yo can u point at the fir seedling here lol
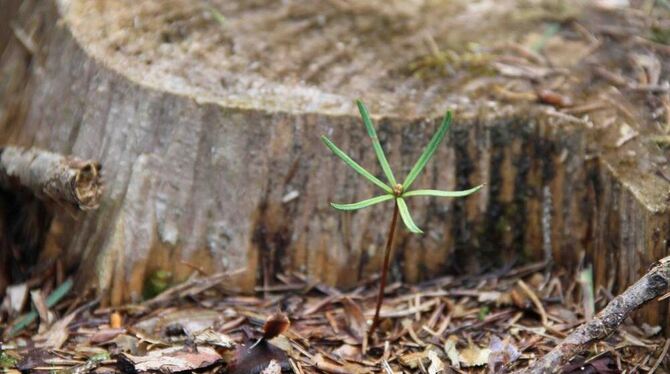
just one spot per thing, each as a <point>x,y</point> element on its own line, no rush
<point>393,190</point>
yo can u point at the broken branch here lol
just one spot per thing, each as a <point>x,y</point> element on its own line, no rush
<point>650,286</point>
<point>64,179</point>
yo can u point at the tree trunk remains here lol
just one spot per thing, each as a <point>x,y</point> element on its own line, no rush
<point>208,130</point>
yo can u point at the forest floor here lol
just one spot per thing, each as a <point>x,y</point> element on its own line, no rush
<point>478,324</point>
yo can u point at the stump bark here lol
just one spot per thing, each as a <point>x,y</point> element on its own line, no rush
<point>206,117</point>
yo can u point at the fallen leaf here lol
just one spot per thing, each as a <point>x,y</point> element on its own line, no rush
<point>179,322</point>
<point>414,360</point>
<point>283,343</point>
<point>355,318</point>
<point>213,338</point>
<point>348,351</point>
<point>451,351</point>
<point>331,367</point>
<point>126,343</point>
<point>46,317</point>
<point>273,368</point>
<point>436,365</point>
<point>34,358</point>
<point>16,297</point>
<point>106,334</point>
<point>170,360</point>
<point>626,133</point>
<point>502,353</point>
<point>474,356</point>
<point>56,335</point>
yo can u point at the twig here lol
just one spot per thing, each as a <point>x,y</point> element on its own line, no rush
<point>64,179</point>
<point>661,357</point>
<point>191,287</point>
<point>649,287</point>
<point>536,301</point>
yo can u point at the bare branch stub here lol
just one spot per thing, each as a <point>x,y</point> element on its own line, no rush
<point>63,179</point>
<point>652,285</point>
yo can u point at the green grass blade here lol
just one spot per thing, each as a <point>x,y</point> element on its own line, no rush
<point>383,162</point>
<point>443,193</point>
<point>50,301</point>
<point>406,217</point>
<point>362,204</point>
<point>358,168</point>
<point>428,152</point>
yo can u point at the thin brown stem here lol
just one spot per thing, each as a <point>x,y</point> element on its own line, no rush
<point>387,259</point>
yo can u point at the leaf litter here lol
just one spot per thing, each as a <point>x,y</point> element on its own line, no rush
<point>434,327</point>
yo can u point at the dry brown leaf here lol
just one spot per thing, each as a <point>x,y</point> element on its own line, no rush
<point>189,320</point>
<point>283,343</point>
<point>126,343</point>
<point>213,338</point>
<point>46,317</point>
<point>414,360</point>
<point>355,318</point>
<point>56,335</point>
<point>170,360</point>
<point>331,367</point>
<point>106,334</point>
<point>473,355</point>
<point>348,351</point>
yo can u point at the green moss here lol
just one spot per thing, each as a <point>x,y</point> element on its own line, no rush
<point>446,61</point>
<point>548,10</point>
<point>660,35</point>
<point>483,312</point>
<point>156,283</point>
<point>7,361</point>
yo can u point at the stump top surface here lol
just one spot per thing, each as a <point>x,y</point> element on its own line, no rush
<point>598,65</point>
<point>405,58</point>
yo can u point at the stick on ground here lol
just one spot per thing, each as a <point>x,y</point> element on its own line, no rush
<point>650,286</point>
<point>63,179</point>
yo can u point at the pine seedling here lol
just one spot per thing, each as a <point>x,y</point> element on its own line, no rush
<point>393,191</point>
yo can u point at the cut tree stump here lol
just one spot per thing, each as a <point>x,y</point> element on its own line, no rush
<point>206,117</point>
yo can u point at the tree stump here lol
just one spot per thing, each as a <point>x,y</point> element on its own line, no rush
<point>206,117</point>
